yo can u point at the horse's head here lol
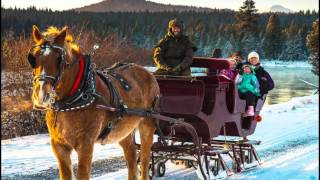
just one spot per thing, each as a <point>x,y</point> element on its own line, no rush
<point>52,59</point>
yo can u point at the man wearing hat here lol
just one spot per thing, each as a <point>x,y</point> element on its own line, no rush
<point>173,54</point>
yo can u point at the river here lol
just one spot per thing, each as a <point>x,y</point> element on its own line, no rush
<point>288,85</point>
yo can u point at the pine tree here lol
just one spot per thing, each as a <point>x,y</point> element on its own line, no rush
<point>303,33</point>
<point>273,40</point>
<point>313,46</point>
<point>293,29</point>
<point>228,48</point>
<point>249,43</point>
<point>247,18</point>
<point>294,49</point>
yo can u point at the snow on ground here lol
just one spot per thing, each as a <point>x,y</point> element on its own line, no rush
<point>289,148</point>
<point>31,154</point>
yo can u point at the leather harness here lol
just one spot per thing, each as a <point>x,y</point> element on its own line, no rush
<point>86,94</point>
<point>83,96</point>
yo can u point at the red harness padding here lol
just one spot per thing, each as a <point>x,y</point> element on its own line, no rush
<point>79,76</point>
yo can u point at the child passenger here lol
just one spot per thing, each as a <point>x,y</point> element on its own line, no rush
<point>238,57</point>
<point>248,87</point>
<point>231,72</point>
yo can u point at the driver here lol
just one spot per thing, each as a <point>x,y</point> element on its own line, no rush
<point>173,54</point>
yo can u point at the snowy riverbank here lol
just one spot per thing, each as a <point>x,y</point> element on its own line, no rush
<point>289,64</point>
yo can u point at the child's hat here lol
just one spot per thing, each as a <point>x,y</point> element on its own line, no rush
<point>246,64</point>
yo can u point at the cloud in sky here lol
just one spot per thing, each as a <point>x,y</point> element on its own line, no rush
<point>262,5</point>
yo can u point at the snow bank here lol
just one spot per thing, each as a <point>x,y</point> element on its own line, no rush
<point>293,104</point>
<point>289,64</point>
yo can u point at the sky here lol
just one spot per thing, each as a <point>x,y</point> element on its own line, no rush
<point>261,5</point>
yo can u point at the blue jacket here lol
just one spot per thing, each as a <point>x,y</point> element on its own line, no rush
<point>248,82</point>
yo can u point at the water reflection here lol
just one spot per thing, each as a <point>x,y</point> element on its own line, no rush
<point>288,85</point>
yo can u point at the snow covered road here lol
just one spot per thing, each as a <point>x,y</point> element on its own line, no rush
<point>289,149</point>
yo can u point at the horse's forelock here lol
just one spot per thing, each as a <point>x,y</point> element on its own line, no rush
<point>52,32</point>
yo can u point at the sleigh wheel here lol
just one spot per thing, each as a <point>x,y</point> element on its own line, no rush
<point>151,171</point>
<point>189,164</point>
<point>160,169</point>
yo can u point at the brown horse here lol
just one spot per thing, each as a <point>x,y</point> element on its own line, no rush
<point>58,69</point>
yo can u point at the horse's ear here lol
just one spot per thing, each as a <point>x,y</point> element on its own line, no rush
<point>61,36</point>
<point>36,35</point>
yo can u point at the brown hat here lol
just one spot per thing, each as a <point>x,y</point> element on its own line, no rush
<point>237,53</point>
<point>175,22</point>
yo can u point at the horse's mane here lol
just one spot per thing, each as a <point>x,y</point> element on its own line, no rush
<point>53,32</point>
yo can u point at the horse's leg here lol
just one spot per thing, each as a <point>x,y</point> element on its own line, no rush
<point>84,152</point>
<point>63,154</point>
<point>129,150</point>
<point>146,130</point>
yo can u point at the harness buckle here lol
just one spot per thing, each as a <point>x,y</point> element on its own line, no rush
<point>85,96</point>
<point>52,95</point>
<point>52,100</point>
<point>93,66</point>
<point>109,124</point>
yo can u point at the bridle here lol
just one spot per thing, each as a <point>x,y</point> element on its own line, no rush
<point>53,80</point>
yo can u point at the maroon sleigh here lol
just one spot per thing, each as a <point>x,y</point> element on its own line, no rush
<point>210,102</point>
<point>193,113</point>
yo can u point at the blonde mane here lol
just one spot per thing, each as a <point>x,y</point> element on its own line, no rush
<point>53,32</point>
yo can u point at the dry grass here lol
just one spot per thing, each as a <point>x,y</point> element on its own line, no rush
<point>112,49</point>
<point>14,52</point>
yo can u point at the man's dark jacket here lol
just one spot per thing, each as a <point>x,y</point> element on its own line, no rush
<point>174,52</point>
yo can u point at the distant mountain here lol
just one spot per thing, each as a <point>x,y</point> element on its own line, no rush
<point>136,6</point>
<point>279,8</point>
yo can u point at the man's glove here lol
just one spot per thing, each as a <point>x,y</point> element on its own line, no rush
<point>177,69</point>
<point>166,68</point>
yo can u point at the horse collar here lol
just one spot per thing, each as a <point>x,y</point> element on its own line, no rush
<point>79,76</point>
<point>81,94</point>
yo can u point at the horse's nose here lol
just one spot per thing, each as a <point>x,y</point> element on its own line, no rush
<point>44,92</point>
<point>47,87</point>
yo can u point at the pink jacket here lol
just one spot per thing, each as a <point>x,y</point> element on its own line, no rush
<point>229,73</point>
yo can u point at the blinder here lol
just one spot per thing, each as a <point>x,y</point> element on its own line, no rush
<point>61,62</point>
<point>32,60</point>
